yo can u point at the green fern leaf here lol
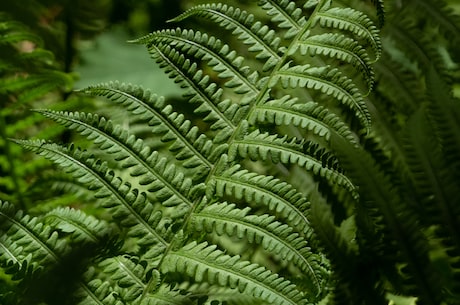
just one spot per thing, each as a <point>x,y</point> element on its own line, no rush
<point>81,227</point>
<point>128,273</point>
<point>27,245</point>
<point>340,47</point>
<point>185,139</point>
<point>328,81</point>
<point>130,208</point>
<point>275,237</point>
<point>276,195</point>
<point>242,79</point>
<point>308,116</point>
<point>255,34</point>
<point>263,146</point>
<point>356,22</point>
<point>168,184</point>
<point>286,14</point>
<point>203,262</point>
<point>200,90</point>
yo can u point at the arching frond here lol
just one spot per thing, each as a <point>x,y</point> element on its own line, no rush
<point>259,37</point>
<point>328,81</point>
<point>342,48</point>
<point>263,146</point>
<point>276,195</point>
<point>353,21</point>
<point>186,139</point>
<point>180,205</point>
<point>130,208</point>
<point>308,116</point>
<point>201,261</point>
<point>223,60</point>
<point>277,238</point>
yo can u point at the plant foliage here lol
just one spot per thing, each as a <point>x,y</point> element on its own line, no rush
<point>286,184</point>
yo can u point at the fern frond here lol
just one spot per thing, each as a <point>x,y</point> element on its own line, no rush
<point>80,227</point>
<point>130,208</point>
<point>164,181</point>
<point>356,22</point>
<point>203,262</point>
<point>27,245</point>
<point>243,96</point>
<point>200,90</point>
<point>259,37</point>
<point>186,140</point>
<point>275,237</point>
<point>263,146</point>
<point>274,194</point>
<point>308,116</point>
<point>328,81</point>
<point>378,192</point>
<point>343,48</point>
<point>286,14</point>
<point>223,60</point>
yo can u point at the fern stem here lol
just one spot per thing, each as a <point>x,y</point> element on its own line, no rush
<point>264,91</point>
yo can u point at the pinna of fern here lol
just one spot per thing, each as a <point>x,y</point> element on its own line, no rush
<point>179,205</point>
